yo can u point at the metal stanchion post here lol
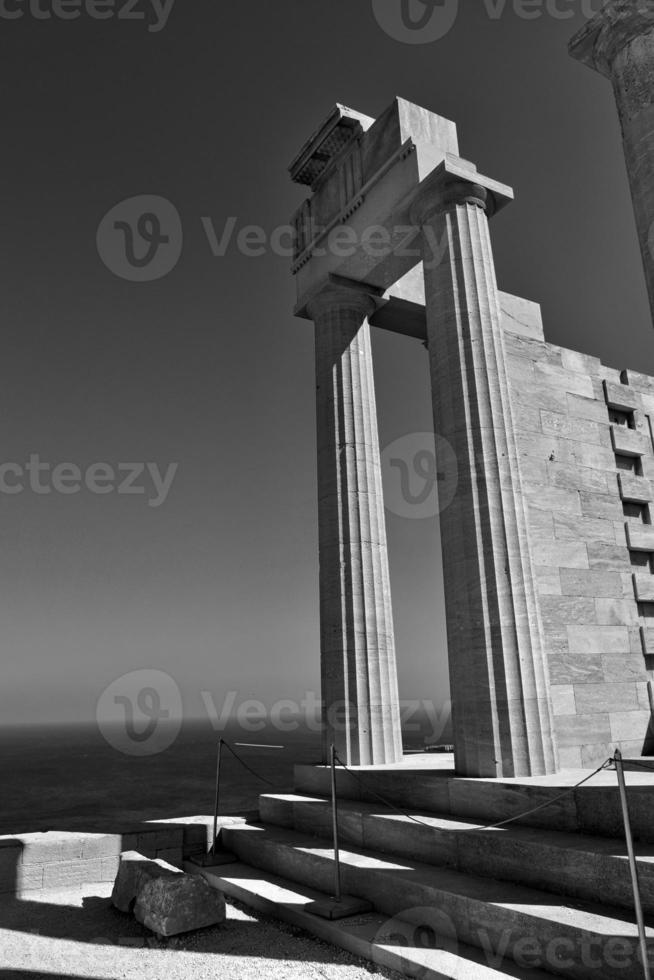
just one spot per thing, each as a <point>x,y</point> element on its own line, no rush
<point>632,863</point>
<point>339,906</point>
<point>337,864</point>
<point>216,798</point>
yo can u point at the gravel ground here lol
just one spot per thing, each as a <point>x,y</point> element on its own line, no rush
<point>78,933</point>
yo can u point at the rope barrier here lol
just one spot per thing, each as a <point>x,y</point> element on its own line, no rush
<point>216,805</point>
<point>246,766</point>
<point>492,826</point>
<point>640,765</point>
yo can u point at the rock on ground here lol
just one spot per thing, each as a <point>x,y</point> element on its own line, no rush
<point>133,871</point>
<point>171,905</point>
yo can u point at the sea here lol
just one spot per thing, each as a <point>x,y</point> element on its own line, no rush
<point>70,777</point>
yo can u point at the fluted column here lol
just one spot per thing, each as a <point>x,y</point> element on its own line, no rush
<point>501,705</point>
<point>358,669</point>
<point>619,43</point>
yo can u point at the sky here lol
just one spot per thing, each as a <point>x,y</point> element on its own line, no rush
<point>204,373</point>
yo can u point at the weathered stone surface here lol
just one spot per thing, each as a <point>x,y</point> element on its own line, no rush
<point>563,699</point>
<point>579,430</point>
<point>598,639</point>
<point>619,42</point>
<point>622,397</point>
<point>605,698</point>
<point>521,316</point>
<point>647,639</point>
<point>631,725</point>
<point>589,529</point>
<point>589,582</point>
<point>640,537</point>
<point>644,587</point>
<point>133,871</point>
<point>548,580</point>
<point>566,667</point>
<point>607,557</point>
<point>578,362</point>
<point>629,442</point>
<point>588,408</point>
<point>172,904</point>
<point>578,729</point>
<point>576,477</point>
<point>604,506</point>
<point>621,667</point>
<point>642,383</point>
<point>616,612</point>
<point>635,489</point>
<point>66,874</point>
<point>567,609</point>
<point>564,554</point>
<point>561,379</point>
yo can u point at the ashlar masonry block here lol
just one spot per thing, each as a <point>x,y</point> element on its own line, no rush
<point>629,442</point>
<point>590,582</point>
<point>621,397</point>
<point>634,489</point>
<point>644,588</point>
<point>640,537</point>
<point>599,639</point>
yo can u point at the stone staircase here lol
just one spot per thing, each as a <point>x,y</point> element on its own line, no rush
<point>452,898</point>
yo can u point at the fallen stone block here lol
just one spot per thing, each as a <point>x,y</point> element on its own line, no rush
<point>171,904</point>
<point>133,871</point>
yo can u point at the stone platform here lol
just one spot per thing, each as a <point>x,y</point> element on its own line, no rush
<point>427,781</point>
<point>452,896</point>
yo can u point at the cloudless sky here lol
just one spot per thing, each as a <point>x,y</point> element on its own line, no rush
<point>207,367</point>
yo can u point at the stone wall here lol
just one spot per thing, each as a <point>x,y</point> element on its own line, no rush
<point>61,859</point>
<point>587,461</point>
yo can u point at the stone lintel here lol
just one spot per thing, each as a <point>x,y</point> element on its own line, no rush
<point>605,34</point>
<point>407,317</point>
<point>331,137</point>
<point>401,316</point>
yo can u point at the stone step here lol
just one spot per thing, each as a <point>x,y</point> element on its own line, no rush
<point>594,869</point>
<point>593,808</point>
<point>506,921</point>
<point>411,948</point>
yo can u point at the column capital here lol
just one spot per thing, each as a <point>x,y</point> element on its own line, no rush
<point>457,181</point>
<point>336,292</point>
<point>609,31</point>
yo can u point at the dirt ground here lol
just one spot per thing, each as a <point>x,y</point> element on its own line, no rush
<point>78,933</point>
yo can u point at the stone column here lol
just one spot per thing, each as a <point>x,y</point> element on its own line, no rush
<point>619,43</point>
<point>500,690</point>
<point>358,669</point>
